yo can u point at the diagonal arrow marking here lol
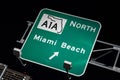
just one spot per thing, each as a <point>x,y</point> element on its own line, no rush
<point>54,55</point>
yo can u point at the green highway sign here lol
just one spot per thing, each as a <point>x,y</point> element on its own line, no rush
<point>58,37</point>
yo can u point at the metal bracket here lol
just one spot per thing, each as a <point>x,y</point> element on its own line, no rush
<point>25,33</point>
<point>67,65</point>
<point>17,52</point>
<point>94,61</point>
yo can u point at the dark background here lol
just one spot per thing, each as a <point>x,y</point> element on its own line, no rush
<point>13,17</point>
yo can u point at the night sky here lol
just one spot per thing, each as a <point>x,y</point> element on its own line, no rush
<point>13,17</point>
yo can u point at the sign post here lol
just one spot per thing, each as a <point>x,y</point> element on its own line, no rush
<point>57,37</point>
